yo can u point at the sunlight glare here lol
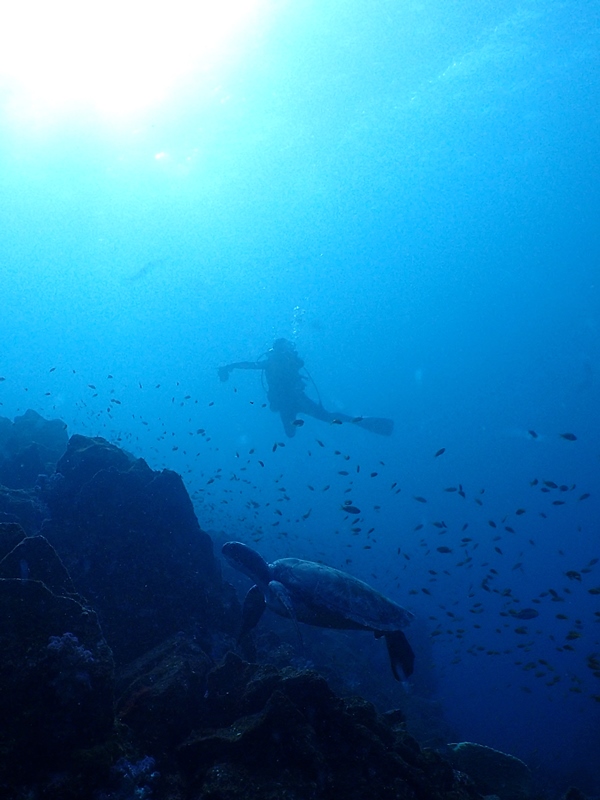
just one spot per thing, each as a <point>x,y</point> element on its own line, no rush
<point>111,56</point>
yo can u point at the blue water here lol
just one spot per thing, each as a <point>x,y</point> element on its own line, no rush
<point>408,191</point>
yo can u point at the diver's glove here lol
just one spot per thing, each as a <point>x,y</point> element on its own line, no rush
<point>224,373</point>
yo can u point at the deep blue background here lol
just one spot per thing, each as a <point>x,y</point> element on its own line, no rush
<point>409,191</point>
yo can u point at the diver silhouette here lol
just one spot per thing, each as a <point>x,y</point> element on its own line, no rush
<point>281,367</point>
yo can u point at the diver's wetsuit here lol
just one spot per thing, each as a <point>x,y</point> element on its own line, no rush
<point>285,389</point>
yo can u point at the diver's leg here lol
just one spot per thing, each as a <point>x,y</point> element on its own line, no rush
<point>288,418</point>
<point>379,425</point>
<point>316,410</point>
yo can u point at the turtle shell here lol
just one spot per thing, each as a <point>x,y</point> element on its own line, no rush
<point>330,598</point>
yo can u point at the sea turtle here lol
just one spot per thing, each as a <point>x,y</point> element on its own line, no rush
<point>319,595</point>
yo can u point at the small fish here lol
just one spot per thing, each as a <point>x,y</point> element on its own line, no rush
<point>343,472</point>
<point>520,511</point>
<point>320,443</point>
<point>527,613</point>
<point>570,437</point>
<point>350,509</point>
<point>444,549</point>
<point>585,496</point>
<point>419,499</point>
<point>298,423</point>
<point>533,434</point>
<point>440,452</point>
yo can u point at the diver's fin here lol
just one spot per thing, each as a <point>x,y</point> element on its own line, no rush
<point>379,425</point>
<point>400,653</point>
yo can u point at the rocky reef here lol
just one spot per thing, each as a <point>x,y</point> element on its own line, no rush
<point>118,678</point>
<point>493,772</point>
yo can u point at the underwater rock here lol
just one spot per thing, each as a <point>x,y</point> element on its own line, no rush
<point>241,730</point>
<point>493,772</point>
<point>29,446</point>
<point>573,793</point>
<point>160,695</point>
<point>56,671</point>
<point>266,733</point>
<point>11,533</point>
<point>34,558</point>
<point>134,549</point>
<point>22,506</point>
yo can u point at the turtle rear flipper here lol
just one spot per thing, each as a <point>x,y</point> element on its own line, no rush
<point>400,652</point>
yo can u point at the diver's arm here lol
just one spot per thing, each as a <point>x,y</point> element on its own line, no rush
<point>224,371</point>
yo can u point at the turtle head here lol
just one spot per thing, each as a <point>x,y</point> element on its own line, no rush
<point>248,561</point>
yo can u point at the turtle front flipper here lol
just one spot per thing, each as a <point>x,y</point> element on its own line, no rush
<point>400,653</point>
<point>281,603</point>
<point>252,611</point>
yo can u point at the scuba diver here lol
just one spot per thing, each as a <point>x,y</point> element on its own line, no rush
<point>281,367</point>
